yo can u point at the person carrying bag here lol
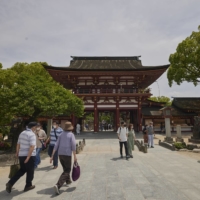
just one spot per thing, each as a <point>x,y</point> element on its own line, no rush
<point>54,135</point>
<point>66,147</point>
<point>14,168</point>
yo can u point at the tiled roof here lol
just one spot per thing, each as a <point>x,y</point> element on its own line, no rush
<point>187,103</point>
<point>155,111</point>
<point>105,63</point>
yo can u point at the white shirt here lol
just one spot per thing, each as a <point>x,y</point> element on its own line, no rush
<point>78,128</point>
<point>122,131</point>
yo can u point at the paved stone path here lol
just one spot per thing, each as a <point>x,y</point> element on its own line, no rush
<point>159,174</point>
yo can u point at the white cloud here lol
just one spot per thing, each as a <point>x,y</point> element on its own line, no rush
<point>52,31</point>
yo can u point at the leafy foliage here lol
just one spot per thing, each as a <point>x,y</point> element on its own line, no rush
<point>179,145</point>
<point>162,99</point>
<point>4,145</point>
<point>27,90</point>
<point>185,62</point>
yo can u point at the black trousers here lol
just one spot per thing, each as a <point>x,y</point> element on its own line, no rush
<point>66,162</point>
<point>125,146</point>
<point>27,168</point>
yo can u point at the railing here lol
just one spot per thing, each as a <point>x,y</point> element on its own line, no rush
<point>110,91</point>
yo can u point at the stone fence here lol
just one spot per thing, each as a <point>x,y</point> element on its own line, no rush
<point>141,146</point>
<point>80,146</point>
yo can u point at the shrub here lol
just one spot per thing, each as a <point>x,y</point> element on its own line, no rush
<point>4,145</point>
<point>179,145</point>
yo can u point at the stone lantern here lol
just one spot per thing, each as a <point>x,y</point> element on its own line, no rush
<point>166,111</point>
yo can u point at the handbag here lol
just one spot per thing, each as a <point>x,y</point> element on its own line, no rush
<point>43,145</point>
<point>76,171</point>
<point>14,168</point>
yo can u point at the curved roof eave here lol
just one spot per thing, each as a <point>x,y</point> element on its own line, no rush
<point>144,68</point>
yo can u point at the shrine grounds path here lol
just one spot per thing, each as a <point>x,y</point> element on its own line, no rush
<point>159,174</point>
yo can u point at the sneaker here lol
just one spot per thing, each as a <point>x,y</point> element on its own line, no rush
<point>121,156</point>
<point>131,156</point>
<point>56,189</point>
<point>152,146</point>
<point>127,157</point>
<point>8,187</point>
<point>29,188</point>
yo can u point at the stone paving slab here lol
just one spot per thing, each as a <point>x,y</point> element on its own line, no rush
<point>158,175</point>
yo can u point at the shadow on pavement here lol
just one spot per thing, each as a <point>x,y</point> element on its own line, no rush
<point>4,195</point>
<point>116,159</point>
<point>50,191</point>
<point>48,168</point>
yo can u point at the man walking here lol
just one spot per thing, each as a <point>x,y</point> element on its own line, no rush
<point>26,152</point>
<point>55,133</point>
<point>40,137</point>
<point>122,133</point>
<point>150,132</point>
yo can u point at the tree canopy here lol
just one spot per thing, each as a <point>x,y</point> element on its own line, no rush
<point>162,99</point>
<point>185,62</point>
<point>27,90</point>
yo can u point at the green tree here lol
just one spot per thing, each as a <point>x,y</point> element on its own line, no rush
<point>162,99</point>
<point>28,91</point>
<point>185,62</point>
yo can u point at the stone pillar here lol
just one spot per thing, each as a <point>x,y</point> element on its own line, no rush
<point>178,131</point>
<point>49,126</point>
<point>168,130</point>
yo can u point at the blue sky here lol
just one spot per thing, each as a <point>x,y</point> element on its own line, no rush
<point>54,30</point>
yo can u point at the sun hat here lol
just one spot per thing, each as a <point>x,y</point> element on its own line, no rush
<point>68,126</point>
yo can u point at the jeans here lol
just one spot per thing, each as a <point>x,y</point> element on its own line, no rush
<point>125,146</point>
<point>55,157</point>
<point>37,158</point>
<point>66,164</point>
<point>27,168</point>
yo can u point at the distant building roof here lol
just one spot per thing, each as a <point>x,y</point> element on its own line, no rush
<point>188,104</point>
<point>156,111</point>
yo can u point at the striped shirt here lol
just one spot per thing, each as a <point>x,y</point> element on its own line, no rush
<point>53,137</point>
<point>26,139</point>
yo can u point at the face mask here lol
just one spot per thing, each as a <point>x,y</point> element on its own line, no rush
<point>37,129</point>
<point>54,126</point>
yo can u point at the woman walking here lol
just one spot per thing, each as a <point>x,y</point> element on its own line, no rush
<point>66,145</point>
<point>131,140</point>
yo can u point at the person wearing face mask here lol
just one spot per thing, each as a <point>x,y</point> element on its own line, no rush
<point>131,139</point>
<point>122,134</point>
<point>40,137</point>
<point>25,152</point>
<point>55,133</point>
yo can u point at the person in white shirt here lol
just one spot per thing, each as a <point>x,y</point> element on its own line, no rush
<point>122,133</point>
<point>78,129</point>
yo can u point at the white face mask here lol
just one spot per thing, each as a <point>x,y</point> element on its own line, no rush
<point>54,126</point>
<point>38,129</point>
